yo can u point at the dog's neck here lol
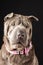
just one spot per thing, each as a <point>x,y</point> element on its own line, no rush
<point>6,54</point>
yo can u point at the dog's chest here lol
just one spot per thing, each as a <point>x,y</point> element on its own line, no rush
<point>17,60</point>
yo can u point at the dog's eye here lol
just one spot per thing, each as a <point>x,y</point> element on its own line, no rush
<point>26,25</point>
<point>13,24</point>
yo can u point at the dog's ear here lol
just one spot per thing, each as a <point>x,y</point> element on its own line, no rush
<point>32,18</point>
<point>7,17</point>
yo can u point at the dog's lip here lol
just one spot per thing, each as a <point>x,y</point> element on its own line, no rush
<point>27,49</point>
<point>17,47</point>
<point>13,49</point>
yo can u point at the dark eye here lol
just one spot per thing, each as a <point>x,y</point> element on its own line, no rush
<point>19,22</point>
<point>25,24</point>
<point>13,24</point>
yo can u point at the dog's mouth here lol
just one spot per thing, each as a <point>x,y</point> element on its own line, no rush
<point>20,49</point>
<point>18,46</point>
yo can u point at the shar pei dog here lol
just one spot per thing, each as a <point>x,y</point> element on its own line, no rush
<point>17,48</point>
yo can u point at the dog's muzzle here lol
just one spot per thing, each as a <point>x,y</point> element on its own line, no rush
<point>17,35</point>
<point>21,36</point>
<point>18,38</point>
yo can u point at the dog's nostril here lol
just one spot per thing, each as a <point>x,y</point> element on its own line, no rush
<point>21,35</point>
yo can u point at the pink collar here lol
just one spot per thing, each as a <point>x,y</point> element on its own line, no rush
<point>24,51</point>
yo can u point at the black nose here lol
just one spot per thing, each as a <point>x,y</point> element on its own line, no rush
<point>20,35</point>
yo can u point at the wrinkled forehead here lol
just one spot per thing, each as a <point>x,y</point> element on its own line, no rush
<point>19,19</point>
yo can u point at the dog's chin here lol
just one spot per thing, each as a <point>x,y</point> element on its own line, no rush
<point>18,47</point>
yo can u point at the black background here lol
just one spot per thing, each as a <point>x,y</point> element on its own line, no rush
<point>25,7</point>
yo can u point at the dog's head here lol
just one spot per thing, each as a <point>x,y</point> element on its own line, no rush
<point>18,31</point>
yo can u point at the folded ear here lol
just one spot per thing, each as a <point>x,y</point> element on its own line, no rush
<point>8,16</point>
<point>31,17</point>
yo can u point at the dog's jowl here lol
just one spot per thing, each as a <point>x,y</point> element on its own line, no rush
<point>17,48</point>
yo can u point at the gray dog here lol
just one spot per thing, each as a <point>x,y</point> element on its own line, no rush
<point>17,48</point>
